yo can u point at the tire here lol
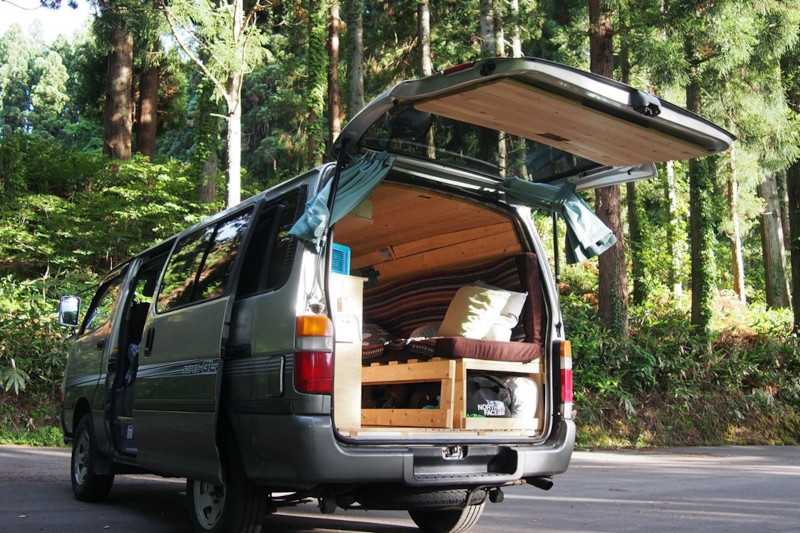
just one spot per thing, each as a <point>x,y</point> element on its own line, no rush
<point>447,520</point>
<point>87,485</point>
<point>240,505</point>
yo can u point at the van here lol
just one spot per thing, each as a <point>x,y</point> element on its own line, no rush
<point>381,332</point>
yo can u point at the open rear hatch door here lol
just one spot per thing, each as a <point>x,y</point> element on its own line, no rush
<point>579,126</point>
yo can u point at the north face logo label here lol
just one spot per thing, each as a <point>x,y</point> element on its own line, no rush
<point>492,408</point>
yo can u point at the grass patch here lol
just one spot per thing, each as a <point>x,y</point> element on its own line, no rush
<point>30,419</point>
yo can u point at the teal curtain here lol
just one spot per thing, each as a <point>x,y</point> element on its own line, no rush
<point>587,236</point>
<point>355,184</point>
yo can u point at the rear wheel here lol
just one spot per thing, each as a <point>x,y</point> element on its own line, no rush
<point>87,485</point>
<point>239,505</point>
<point>447,520</point>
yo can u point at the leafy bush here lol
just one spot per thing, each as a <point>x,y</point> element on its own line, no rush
<point>70,218</point>
<point>661,386</point>
<point>32,350</point>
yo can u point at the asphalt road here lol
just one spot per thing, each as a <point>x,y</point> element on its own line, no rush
<point>728,489</point>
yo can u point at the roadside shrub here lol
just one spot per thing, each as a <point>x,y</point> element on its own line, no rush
<point>661,386</point>
<point>32,349</point>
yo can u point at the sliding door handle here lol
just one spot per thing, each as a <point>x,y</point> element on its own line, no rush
<point>148,343</point>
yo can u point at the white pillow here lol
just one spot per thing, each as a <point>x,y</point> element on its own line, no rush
<point>509,317</point>
<point>472,312</point>
<point>431,329</point>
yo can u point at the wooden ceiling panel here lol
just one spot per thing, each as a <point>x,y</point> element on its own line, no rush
<point>411,226</point>
<point>519,109</point>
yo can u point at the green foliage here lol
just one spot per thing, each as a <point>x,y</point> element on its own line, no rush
<point>31,349</point>
<point>663,387</point>
<point>82,211</point>
<point>226,47</point>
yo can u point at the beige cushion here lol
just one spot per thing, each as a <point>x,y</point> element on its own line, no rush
<point>472,312</point>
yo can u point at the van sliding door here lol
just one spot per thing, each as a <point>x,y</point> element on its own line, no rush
<point>180,362</point>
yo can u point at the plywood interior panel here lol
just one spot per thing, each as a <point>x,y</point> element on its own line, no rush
<point>411,231</point>
<point>560,122</point>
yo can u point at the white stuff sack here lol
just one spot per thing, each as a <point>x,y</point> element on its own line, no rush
<point>524,396</point>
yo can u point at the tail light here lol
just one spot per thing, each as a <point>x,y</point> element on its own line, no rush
<point>313,355</point>
<point>565,358</point>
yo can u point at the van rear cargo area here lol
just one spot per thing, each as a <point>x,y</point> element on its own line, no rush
<point>419,319</point>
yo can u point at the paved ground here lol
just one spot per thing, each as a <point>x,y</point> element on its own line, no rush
<point>733,489</point>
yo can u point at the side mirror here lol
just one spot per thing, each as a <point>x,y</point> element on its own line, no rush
<point>68,311</point>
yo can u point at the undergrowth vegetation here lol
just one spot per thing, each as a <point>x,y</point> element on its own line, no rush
<point>664,387</point>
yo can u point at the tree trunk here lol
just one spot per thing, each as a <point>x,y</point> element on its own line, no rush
<point>207,188</point>
<point>334,104</point>
<point>780,180</point>
<point>613,284</point>
<point>639,294</point>
<point>233,100</point>
<point>775,275</point>
<point>700,191</point>
<point>788,67</point>
<point>233,140</point>
<point>673,232</point>
<point>355,67</point>
<point>147,123</point>
<point>493,146</point>
<point>736,237</point>
<point>317,80</point>
<point>205,157</point>
<point>425,61</point>
<point>118,122</point>
<point>500,51</point>
<point>702,255</point>
<point>486,28</point>
<point>519,150</point>
<point>601,42</point>
<point>635,243</point>
<point>488,140</point>
<point>516,39</point>
<point>793,192</point>
<point>424,37</point>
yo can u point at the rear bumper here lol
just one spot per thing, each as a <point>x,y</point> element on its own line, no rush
<point>301,452</point>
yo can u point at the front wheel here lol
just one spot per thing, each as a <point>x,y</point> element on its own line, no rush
<point>87,485</point>
<point>447,520</point>
<point>239,505</point>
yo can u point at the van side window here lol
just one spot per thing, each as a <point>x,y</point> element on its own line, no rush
<point>102,306</point>
<point>268,260</point>
<point>201,265</point>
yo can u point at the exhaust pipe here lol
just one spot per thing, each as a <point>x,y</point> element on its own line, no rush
<point>544,483</point>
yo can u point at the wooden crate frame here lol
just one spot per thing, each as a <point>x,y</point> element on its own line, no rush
<point>452,376</point>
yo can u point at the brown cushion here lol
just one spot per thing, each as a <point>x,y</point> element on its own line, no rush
<point>461,347</point>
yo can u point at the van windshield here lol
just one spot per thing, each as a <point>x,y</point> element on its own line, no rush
<point>498,154</point>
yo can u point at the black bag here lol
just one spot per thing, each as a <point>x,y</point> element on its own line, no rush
<point>488,396</point>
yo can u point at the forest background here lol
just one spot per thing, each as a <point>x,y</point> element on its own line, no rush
<point>163,112</point>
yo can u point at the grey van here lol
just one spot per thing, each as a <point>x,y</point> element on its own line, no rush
<point>381,332</point>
